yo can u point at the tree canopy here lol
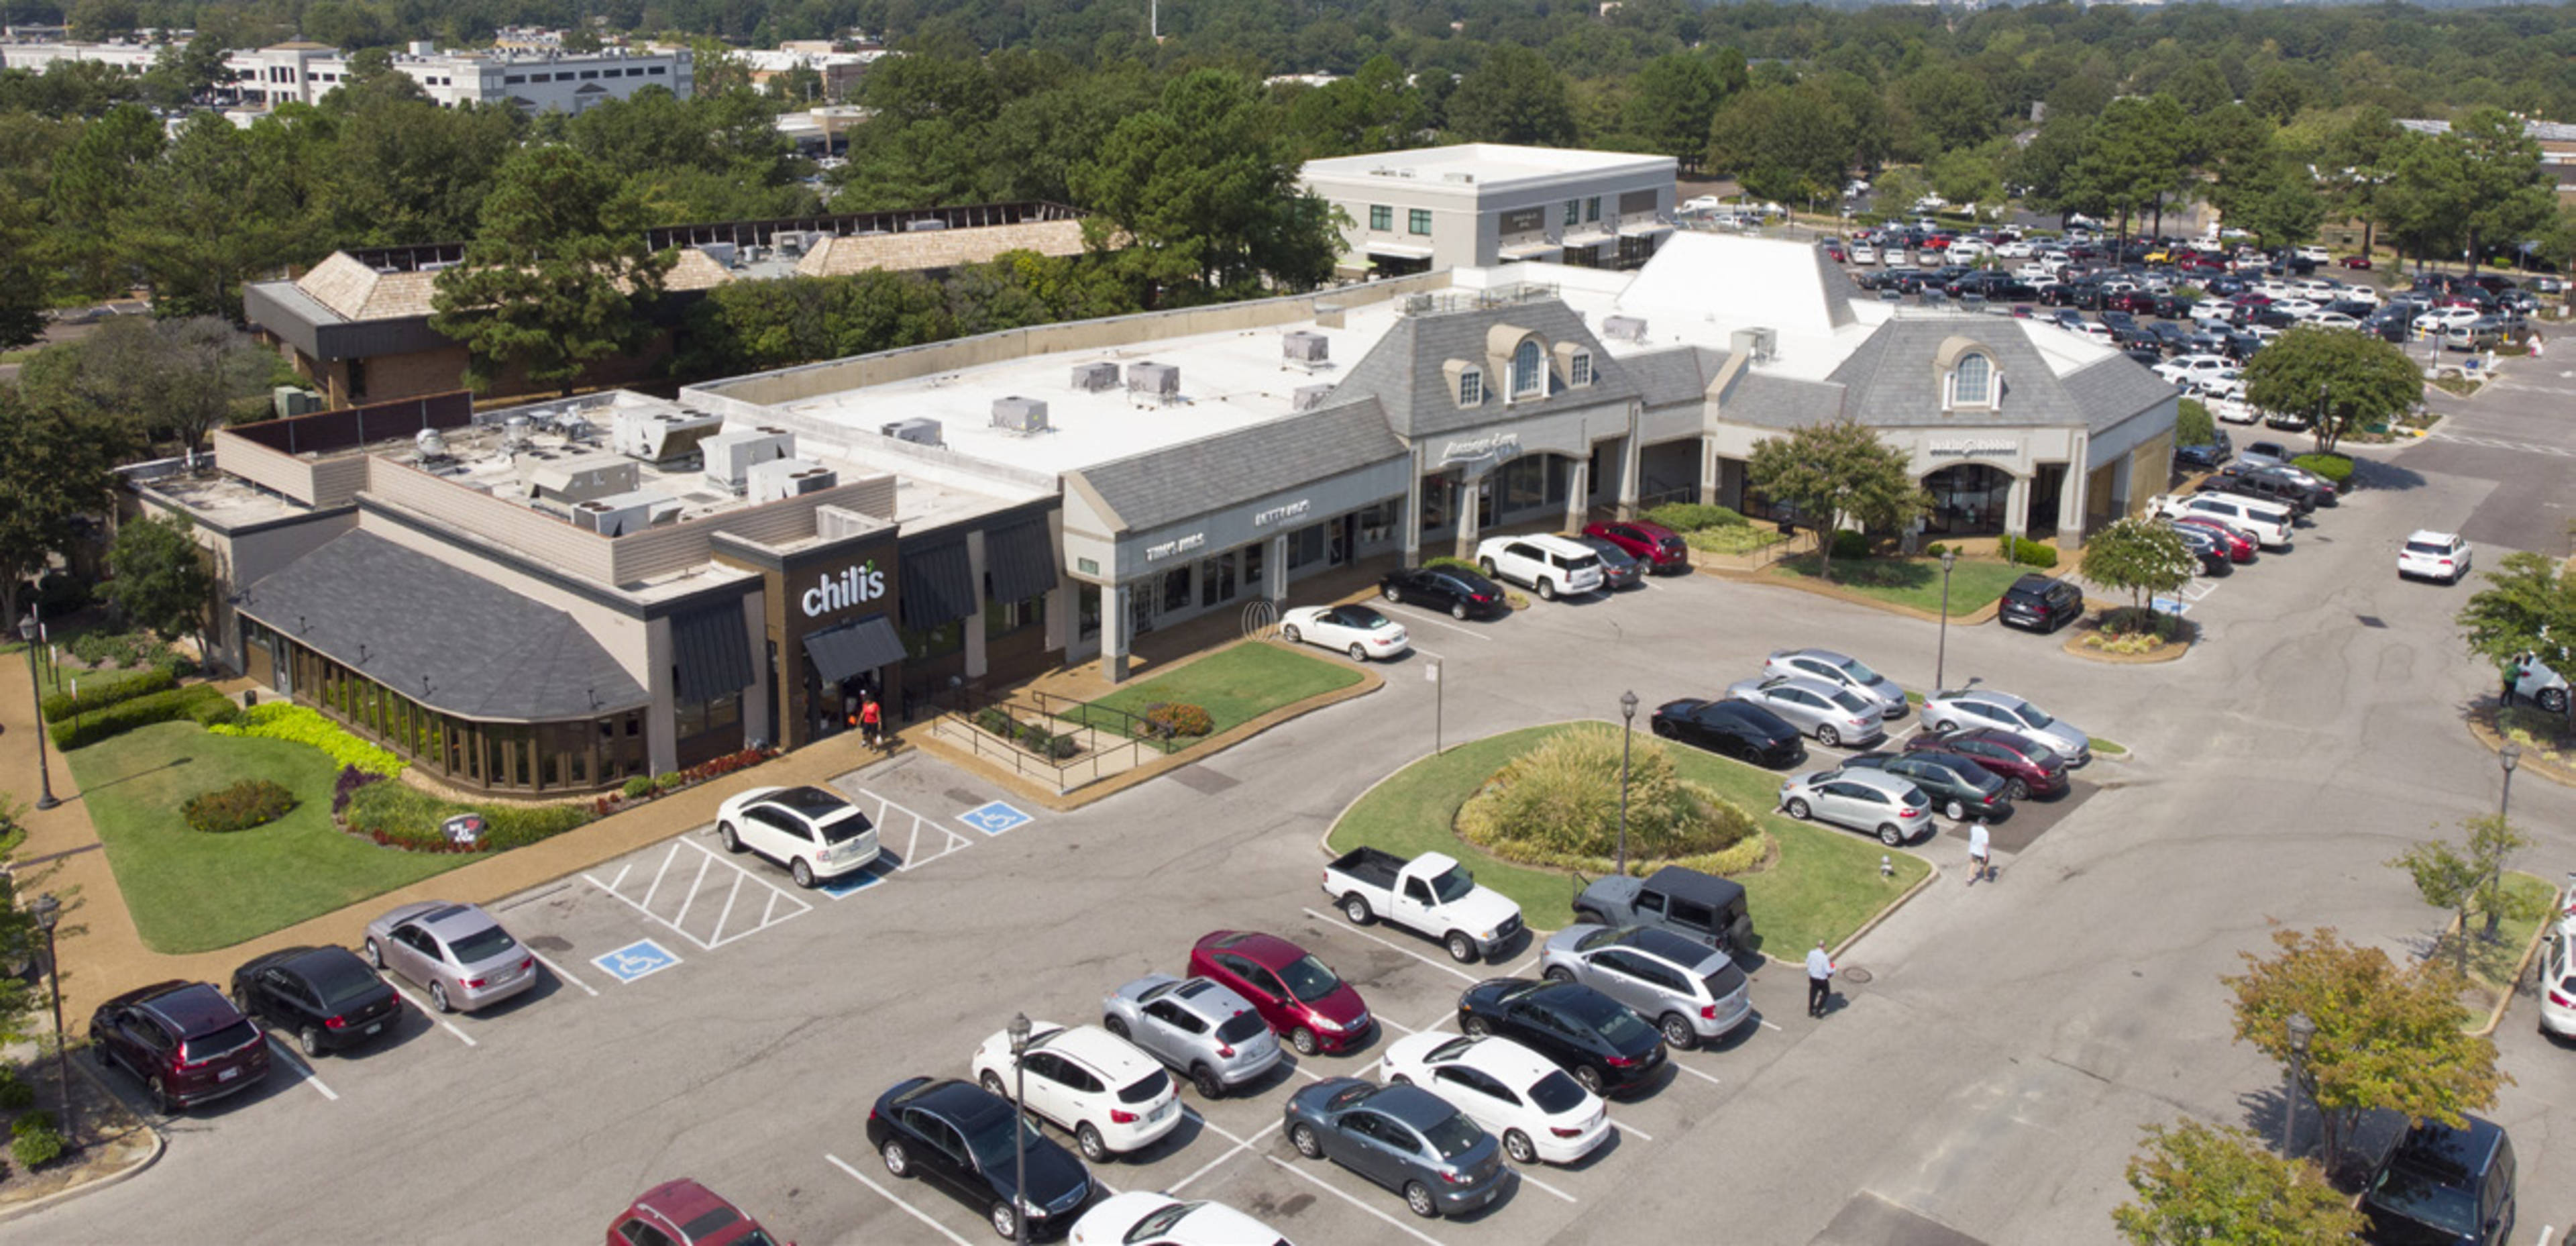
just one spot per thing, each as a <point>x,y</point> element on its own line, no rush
<point>2141,557</point>
<point>2341,379</point>
<point>1836,471</point>
<point>53,473</point>
<point>159,577</point>
<point>2197,1185</point>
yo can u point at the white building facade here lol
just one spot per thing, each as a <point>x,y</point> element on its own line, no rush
<point>305,72</point>
<point>1481,204</point>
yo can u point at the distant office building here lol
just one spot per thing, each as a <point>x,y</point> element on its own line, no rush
<point>534,81</point>
<point>1482,204</point>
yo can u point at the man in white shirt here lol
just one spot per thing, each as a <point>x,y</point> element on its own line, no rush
<point>1820,977</point>
<point>1980,854</point>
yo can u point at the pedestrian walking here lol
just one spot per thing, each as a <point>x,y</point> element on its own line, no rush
<point>1820,977</point>
<point>872,723</point>
<point>1980,854</point>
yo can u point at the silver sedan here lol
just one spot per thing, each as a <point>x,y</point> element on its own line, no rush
<point>1842,671</point>
<point>1872,802</point>
<point>1832,715</point>
<point>456,952</point>
<point>1945,712</point>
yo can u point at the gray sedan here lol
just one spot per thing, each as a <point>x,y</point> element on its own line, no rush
<point>1832,715</point>
<point>1870,801</point>
<point>1945,712</point>
<point>1690,990</point>
<point>1402,1137</point>
<point>1841,671</point>
<point>1210,1034</point>
<point>456,952</point>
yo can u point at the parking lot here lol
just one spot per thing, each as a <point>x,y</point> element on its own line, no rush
<point>704,1017</point>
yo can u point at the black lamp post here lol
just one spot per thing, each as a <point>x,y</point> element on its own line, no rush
<point>1019,1032</point>
<point>2509,756</point>
<point>28,629</point>
<point>48,912</point>
<point>1941,655</point>
<point>2302,1032</point>
<point>1627,738</point>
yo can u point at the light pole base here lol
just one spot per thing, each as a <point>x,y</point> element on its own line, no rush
<point>47,801</point>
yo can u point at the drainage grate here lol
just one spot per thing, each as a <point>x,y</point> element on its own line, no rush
<point>2370,620</point>
<point>1854,974</point>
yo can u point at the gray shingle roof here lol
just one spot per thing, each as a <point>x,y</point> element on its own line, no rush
<point>1892,380</point>
<point>1404,370</point>
<point>1667,378</point>
<point>1779,401</point>
<point>1193,478</point>
<point>2114,389</point>
<point>398,616</point>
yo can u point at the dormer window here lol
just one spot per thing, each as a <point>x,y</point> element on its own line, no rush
<point>1471,387</point>
<point>1578,370</point>
<point>1529,370</point>
<point>1972,381</point>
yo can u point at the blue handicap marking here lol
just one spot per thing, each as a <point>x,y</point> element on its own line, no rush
<point>995,818</point>
<point>636,960</point>
<point>858,880</point>
<point>2167,605</point>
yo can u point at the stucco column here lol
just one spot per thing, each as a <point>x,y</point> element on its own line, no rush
<point>1275,569</point>
<point>2017,507</point>
<point>1630,469</point>
<point>1411,526</point>
<point>2070,508</point>
<point>976,664</point>
<point>1113,632</point>
<point>1578,495</point>
<point>1470,515</point>
<point>1711,470</point>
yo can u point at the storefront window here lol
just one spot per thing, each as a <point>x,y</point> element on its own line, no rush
<point>919,643</point>
<point>1435,503</point>
<point>1254,557</point>
<point>1377,523</point>
<point>1176,590</point>
<point>1087,610</point>
<point>1216,580</point>
<point>1305,545</point>
<point>1968,499</point>
<point>1001,618</point>
<point>700,717</point>
<point>1525,483</point>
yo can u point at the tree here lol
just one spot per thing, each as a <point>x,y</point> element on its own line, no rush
<point>221,205</point>
<point>2388,1039</point>
<point>53,472</point>
<point>1376,109</point>
<point>2470,881</point>
<point>2135,155</point>
<point>1513,96</point>
<point>2356,161</point>
<point>20,942</point>
<point>2193,425</point>
<point>2197,1185</point>
<point>1835,471</point>
<point>93,182</point>
<point>159,577</point>
<point>150,379</point>
<point>1784,143</point>
<point>558,276</point>
<point>2529,608</point>
<point>2141,557</point>
<point>1676,97</point>
<point>2343,378</point>
<point>2506,194</point>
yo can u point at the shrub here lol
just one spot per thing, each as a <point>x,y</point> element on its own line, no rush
<point>347,785</point>
<point>1454,564</point>
<point>126,649</point>
<point>35,1147</point>
<point>1558,805</point>
<point>238,807</point>
<point>1724,540</point>
<point>1691,517</point>
<point>15,1094</point>
<point>637,788</point>
<point>1179,718</point>
<point>213,714</point>
<point>100,689</point>
<point>399,815</point>
<point>666,780</point>
<point>1935,550</point>
<point>726,764</point>
<point>1850,545</point>
<point>281,720</point>
<point>2026,552</point>
<point>2193,425</point>
<point>1047,744</point>
<point>2334,469</point>
<point>142,711</point>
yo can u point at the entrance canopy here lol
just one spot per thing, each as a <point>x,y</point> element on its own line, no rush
<point>853,649</point>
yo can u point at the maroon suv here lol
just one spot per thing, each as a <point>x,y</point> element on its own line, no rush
<point>184,1041</point>
<point>2028,767</point>
<point>1655,545</point>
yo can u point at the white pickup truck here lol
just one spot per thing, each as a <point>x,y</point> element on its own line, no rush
<point>1430,895</point>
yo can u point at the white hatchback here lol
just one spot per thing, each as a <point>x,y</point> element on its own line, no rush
<point>1113,1097</point>
<point>2433,555</point>
<point>1514,1093</point>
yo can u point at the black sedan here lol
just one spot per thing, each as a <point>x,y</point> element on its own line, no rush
<point>1461,592</point>
<point>958,1136</point>
<point>1586,1033</point>
<point>325,996</point>
<point>1959,788</point>
<point>1738,729</point>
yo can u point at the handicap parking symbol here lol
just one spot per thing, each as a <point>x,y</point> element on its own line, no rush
<point>995,818</point>
<point>856,879</point>
<point>639,959</point>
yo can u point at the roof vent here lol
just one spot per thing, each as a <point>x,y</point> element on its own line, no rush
<point>1020,415</point>
<point>1094,378</point>
<point>431,443</point>
<point>1154,380</point>
<point>1625,328</point>
<point>730,455</point>
<point>1309,397</point>
<point>1305,347</point>
<point>919,432</point>
<point>780,479</point>
<point>1760,344</point>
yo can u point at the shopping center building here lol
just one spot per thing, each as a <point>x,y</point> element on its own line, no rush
<point>558,596</point>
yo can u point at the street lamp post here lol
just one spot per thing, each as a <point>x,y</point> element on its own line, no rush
<point>2302,1032</point>
<point>48,913</point>
<point>2509,756</point>
<point>1941,655</point>
<point>29,629</point>
<point>1627,737</point>
<point>1019,1032</point>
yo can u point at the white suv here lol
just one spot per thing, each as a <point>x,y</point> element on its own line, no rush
<point>2434,556</point>
<point>812,832</point>
<point>2268,523</point>
<point>1550,565</point>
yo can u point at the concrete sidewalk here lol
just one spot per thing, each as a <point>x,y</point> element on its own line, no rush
<point>102,955</point>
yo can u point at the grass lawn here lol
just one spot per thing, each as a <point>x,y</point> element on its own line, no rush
<point>2492,963</point>
<point>1916,582</point>
<point>2108,748</point>
<point>192,892</point>
<point>1234,687</point>
<point>1733,538</point>
<point>1824,885</point>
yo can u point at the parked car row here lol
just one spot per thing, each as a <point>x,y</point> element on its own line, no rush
<point>1604,557</point>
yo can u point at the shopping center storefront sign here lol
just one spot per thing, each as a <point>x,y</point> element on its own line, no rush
<point>851,586</point>
<point>1489,448</point>
<point>1971,447</point>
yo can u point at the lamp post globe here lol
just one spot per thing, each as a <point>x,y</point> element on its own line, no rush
<point>1627,738</point>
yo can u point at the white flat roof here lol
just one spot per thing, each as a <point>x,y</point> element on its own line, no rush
<point>1491,165</point>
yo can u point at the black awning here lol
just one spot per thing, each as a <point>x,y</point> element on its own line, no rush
<point>853,649</point>
<point>938,586</point>
<point>711,653</point>
<point>1020,561</point>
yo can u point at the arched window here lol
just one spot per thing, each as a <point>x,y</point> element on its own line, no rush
<point>1528,372</point>
<point>1972,381</point>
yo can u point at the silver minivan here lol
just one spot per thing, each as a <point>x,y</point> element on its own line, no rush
<point>1692,992</point>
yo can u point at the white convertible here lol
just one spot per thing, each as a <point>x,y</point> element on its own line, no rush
<point>1358,631</point>
<point>1514,1093</point>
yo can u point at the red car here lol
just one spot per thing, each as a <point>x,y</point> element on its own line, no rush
<point>184,1041</point>
<point>2239,544</point>
<point>684,1213</point>
<point>1655,545</point>
<point>1300,997</point>
<point>2355,261</point>
<point>2028,767</point>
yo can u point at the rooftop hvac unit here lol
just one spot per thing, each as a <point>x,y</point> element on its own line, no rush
<point>1758,343</point>
<point>780,479</point>
<point>580,478</point>
<point>431,444</point>
<point>721,252</point>
<point>1309,397</point>
<point>621,513</point>
<point>664,437</point>
<point>1162,380</point>
<point>1093,378</point>
<point>731,453</point>
<point>919,432</point>
<point>515,433</point>
<point>290,401</point>
<point>1020,415</point>
<point>924,227</point>
<point>1626,328</point>
<point>1304,347</point>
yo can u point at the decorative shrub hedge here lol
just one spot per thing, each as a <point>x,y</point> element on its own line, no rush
<point>142,711</point>
<point>2334,469</point>
<point>1030,736</point>
<point>1454,564</point>
<point>1173,718</point>
<point>2026,553</point>
<point>280,720</point>
<point>1557,805</point>
<point>1691,517</point>
<point>1850,545</point>
<point>100,689</point>
<point>237,807</point>
<point>399,815</point>
<point>127,649</point>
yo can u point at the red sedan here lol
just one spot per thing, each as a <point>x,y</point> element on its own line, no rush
<point>1655,545</point>
<point>2028,767</point>
<point>2355,261</point>
<point>1300,997</point>
<point>2240,545</point>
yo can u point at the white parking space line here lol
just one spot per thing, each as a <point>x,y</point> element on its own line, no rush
<point>1696,1073</point>
<point>771,911</point>
<point>2545,1231</point>
<point>1523,967</point>
<point>1452,969</point>
<point>1626,1128</point>
<point>1400,1025</point>
<point>948,841</point>
<point>1240,1145</point>
<point>461,1036</point>
<point>1545,1186</point>
<point>917,1213</point>
<point>557,970</point>
<point>310,1077</point>
<point>1337,1192</point>
<point>1420,617</point>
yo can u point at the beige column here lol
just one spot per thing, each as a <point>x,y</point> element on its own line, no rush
<point>1113,632</point>
<point>1578,495</point>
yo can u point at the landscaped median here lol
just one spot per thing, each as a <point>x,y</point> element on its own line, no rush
<point>1817,883</point>
<point>1234,686</point>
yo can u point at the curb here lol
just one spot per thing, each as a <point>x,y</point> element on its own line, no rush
<point>2169,652</point>
<point>2481,718</point>
<point>2504,1000</point>
<point>1882,915</point>
<point>160,1145</point>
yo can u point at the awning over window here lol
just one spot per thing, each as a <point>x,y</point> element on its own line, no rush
<point>1399,250</point>
<point>712,650</point>
<point>853,649</point>
<point>938,586</point>
<point>1533,251</point>
<point>1020,561</point>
